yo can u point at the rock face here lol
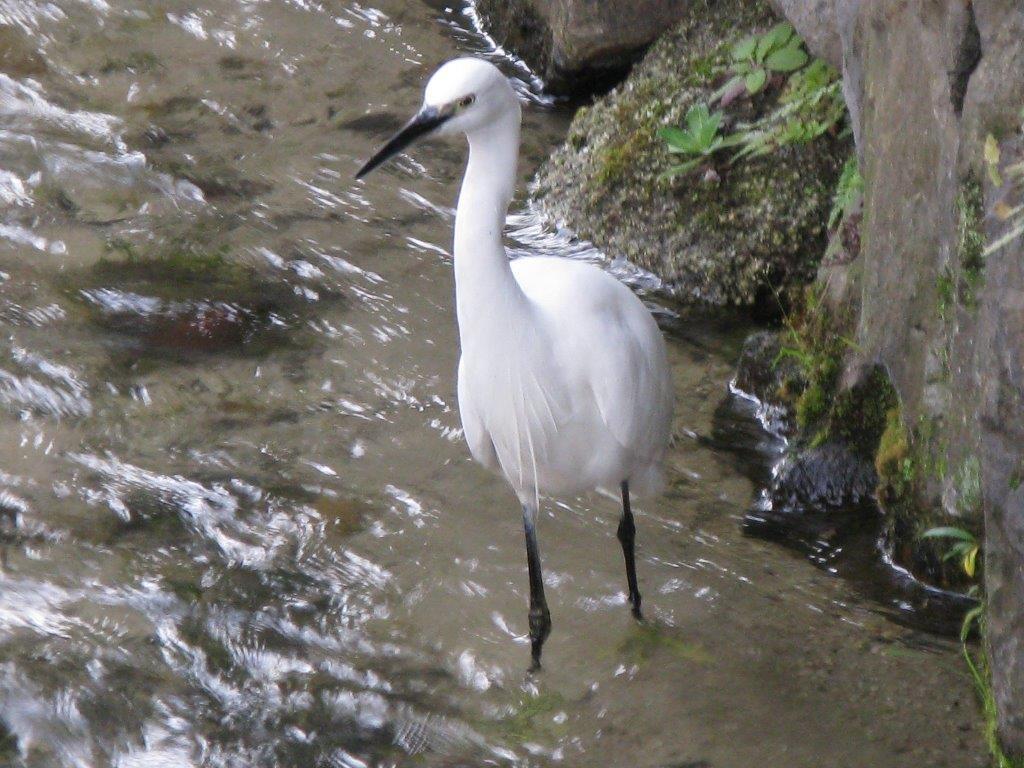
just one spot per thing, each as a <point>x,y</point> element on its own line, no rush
<point>815,21</point>
<point>1000,358</point>
<point>729,234</point>
<point>579,45</point>
<point>938,305</point>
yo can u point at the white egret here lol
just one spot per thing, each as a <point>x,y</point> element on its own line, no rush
<point>563,383</point>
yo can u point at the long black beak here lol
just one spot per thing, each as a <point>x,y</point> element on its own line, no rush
<point>425,121</point>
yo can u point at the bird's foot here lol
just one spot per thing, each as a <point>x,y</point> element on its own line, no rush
<point>634,603</point>
<point>540,628</point>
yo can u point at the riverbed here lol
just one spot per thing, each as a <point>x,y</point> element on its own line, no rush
<point>238,522</point>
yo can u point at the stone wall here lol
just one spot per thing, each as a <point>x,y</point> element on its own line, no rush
<point>928,82</point>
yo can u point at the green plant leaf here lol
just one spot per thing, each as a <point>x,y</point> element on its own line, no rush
<point>814,77</point>
<point>991,153</point>
<point>772,40</point>
<point>744,49</point>
<point>991,150</point>
<point>995,245</point>
<point>788,59</point>
<point>681,168</point>
<point>755,80</point>
<point>702,126</point>
<point>949,532</point>
<point>734,82</point>
<point>848,191</point>
<point>732,140</point>
<point>970,561</point>
<point>755,144</point>
<point>678,140</point>
<point>781,34</point>
<point>764,46</point>
<point>969,618</point>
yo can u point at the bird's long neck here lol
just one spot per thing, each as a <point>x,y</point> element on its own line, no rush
<point>486,292</point>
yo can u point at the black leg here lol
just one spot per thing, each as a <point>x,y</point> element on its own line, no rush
<point>540,617</point>
<point>627,535</point>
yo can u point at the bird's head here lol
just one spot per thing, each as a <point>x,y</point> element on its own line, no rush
<point>463,96</point>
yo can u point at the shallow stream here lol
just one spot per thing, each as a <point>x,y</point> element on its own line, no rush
<point>238,523</point>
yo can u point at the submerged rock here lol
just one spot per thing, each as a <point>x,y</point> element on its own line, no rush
<point>731,236</point>
<point>178,298</point>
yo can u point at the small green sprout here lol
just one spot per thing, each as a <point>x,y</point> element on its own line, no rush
<point>699,139</point>
<point>778,50</point>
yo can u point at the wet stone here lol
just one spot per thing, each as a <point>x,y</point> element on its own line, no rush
<point>824,478</point>
<point>762,368</point>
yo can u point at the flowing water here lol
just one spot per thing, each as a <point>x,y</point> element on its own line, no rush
<point>238,524</point>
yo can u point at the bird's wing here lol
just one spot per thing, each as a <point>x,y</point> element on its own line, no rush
<point>630,380</point>
<point>604,341</point>
<point>514,406</point>
<point>609,340</point>
<point>477,437</point>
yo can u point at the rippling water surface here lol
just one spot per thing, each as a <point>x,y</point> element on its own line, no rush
<point>238,524</point>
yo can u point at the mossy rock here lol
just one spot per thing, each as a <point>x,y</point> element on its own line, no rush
<point>757,227</point>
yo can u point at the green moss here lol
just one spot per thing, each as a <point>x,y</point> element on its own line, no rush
<point>861,415</point>
<point>646,639</point>
<point>175,268</point>
<point>52,194</point>
<point>180,295</point>
<point>970,242</point>
<point>213,175</point>
<point>905,460</point>
<point>893,462</point>
<point>934,446</point>
<point>812,406</point>
<point>187,590</point>
<point>172,105</point>
<point>1017,476</point>
<point>532,719</point>
<point>946,290</point>
<point>815,342</point>
<point>703,69</point>
<point>617,159</point>
<point>135,61</point>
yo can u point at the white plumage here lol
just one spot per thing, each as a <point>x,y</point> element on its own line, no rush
<point>566,390</point>
<point>563,383</point>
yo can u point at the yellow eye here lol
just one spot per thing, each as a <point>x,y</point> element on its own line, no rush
<point>466,101</point>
